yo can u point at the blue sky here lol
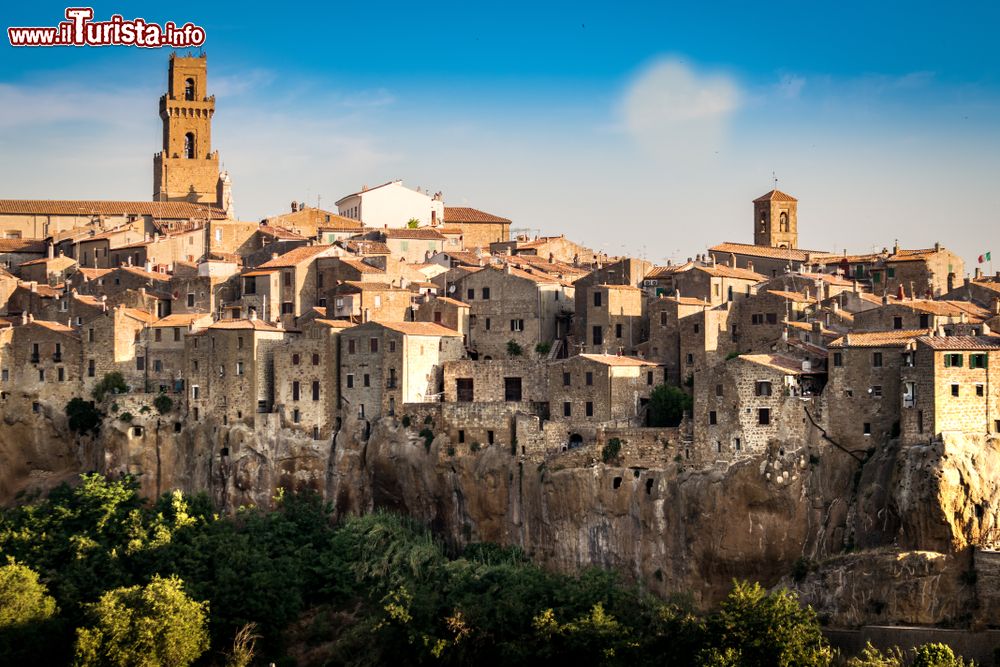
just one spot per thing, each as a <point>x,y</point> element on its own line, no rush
<point>632,127</point>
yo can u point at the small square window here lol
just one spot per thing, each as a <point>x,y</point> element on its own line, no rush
<point>867,428</point>
<point>954,390</point>
<point>712,418</point>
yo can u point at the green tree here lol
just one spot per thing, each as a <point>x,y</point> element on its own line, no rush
<point>84,417</point>
<point>27,612</point>
<point>768,629</point>
<point>514,349</point>
<point>156,624</point>
<point>667,405</point>
<point>163,404</point>
<point>936,655</point>
<point>111,383</point>
<point>412,223</point>
<point>873,657</point>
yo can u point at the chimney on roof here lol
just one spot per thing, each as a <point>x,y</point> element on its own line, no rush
<point>274,255</point>
<point>900,294</point>
<point>885,299</point>
<point>52,250</point>
<point>142,293</point>
<point>847,340</point>
<point>295,206</point>
<point>24,317</point>
<point>817,326</point>
<point>31,318</point>
<point>253,314</point>
<point>937,246</point>
<point>913,292</point>
<point>996,306</point>
<point>857,287</point>
<point>148,266</point>
<point>979,273</point>
<point>33,286</point>
<point>302,206</point>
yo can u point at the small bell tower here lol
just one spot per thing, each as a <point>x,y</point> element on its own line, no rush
<point>776,221</point>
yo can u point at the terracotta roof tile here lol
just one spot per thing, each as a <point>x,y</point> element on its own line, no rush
<point>453,214</point>
<point>295,257</point>
<point>961,342</point>
<point>421,233</point>
<point>749,250</point>
<point>777,361</point>
<point>775,195</point>
<point>798,297</point>
<point>894,338</point>
<point>256,325</point>
<point>420,328</point>
<point>615,360</point>
<point>94,207</point>
<point>31,246</point>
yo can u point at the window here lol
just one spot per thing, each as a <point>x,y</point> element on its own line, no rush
<point>876,360</point>
<point>867,428</point>
<point>897,323</point>
<point>512,389</point>
<point>461,436</point>
<point>392,346</point>
<point>977,361</point>
<point>487,327</point>
<point>649,378</point>
<point>876,391</point>
<point>195,392</point>
<point>566,380</point>
<point>489,437</point>
<point>908,359</point>
<point>315,390</point>
<point>392,379</point>
<point>764,416</point>
<point>295,390</point>
<point>287,308</point>
<point>663,318</point>
<point>517,325</point>
<point>315,359</point>
<point>890,272</point>
<point>697,329</point>
<point>177,334</point>
<point>350,346</point>
<point>140,363</point>
<point>373,345</point>
<point>296,416</point>
<point>350,380</point>
<point>239,368</point>
<point>295,360</point>
<point>61,374</point>
<point>286,278</point>
<point>762,388</point>
<point>486,294</point>
<point>712,418</point>
<point>719,391</point>
<point>772,318</point>
<point>925,321</point>
<point>597,299</point>
<point>954,390</point>
<point>952,361</point>
<point>979,390</point>
<point>920,421</point>
<point>157,366</point>
<point>470,294</point>
<point>91,369</point>
<point>158,335</point>
<point>189,145</point>
<point>465,389</point>
<point>737,445</point>
<point>690,359</point>
<point>189,89</point>
<point>590,409</point>
<point>90,335</point>
<point>367,380</point>
<point>590,378</point>
<point>190,300</point>
<point>567,409</point>
<point>618,330</point>
<point>838,359</point>
<point>757,318</point>
<point>598,336</point>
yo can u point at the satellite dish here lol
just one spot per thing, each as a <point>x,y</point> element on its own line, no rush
<point>451,289</point>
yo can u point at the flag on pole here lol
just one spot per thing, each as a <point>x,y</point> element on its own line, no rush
<point>985,258</point>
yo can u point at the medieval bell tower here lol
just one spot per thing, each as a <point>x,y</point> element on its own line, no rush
<point>187,169</point>
<point>776,220</point>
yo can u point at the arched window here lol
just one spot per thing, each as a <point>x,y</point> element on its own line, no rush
<point>189,145</point>
<point>189,89</point>
<point>783,222</point>
<point>763,222</point>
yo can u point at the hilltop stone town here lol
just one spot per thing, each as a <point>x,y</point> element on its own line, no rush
<point>399,316</point>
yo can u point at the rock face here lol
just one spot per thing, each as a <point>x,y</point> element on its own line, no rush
<point>887,540</point>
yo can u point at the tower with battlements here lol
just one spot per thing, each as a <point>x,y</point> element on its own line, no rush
<point>187,169</point>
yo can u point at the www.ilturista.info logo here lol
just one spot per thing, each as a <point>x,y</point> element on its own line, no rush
<point>80,30</point>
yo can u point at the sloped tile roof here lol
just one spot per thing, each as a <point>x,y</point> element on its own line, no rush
<point>961,342</point>
<point>166,209</point>
<point>453,214</point>
<point>894,338</point>
<point>775,195</point>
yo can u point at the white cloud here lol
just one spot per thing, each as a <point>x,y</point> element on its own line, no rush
<point>677,112</point>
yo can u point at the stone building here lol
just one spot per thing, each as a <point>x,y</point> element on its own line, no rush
<point>714,282</point>
<point>48,270</point>
<point>744,404</point>
<point>306,386</point>
<point>365,301</point>
<point>285,286</point>
<point>187,169</point>
<point>767,260</point>
<point>706,339</point>
<point>664,345</point>
<point>117,340</point>
<point>864,392</point>
<point>386,364</point>
<point>952,385</point>
<point>165,348</point>
<point>615,317</point>
<point>981,290</point>
<point>627,271</point>
<point>42,359</point>
<point>230,370</point>
<point>776,220</point>
<point>760,319</point>
<point>161,250</point>
<point>411,245</point>
<point>927,272</point>
<point>447,312</point>
<point>496,381</point>
<point>309,221</point>
<point>508,304</point>
<point>901,314</point>
<point>588,390</point>
<point>479,229</point>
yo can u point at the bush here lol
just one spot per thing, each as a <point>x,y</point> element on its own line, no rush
<point>26,614</point>
<point>474,447</point>
<point>111,383</point>
<point>450,451</point>
<point>163,404</point>
<point>144,410</point>
<point>667,405</point>
<point>513,349</point>
<point>428,436</point>
<point>801,568</point>
<point>406,421</point>
<point>83,416</point>
<point>611,450</point>
<point>126,417</point>
<point>543,349</point>
<point>873,657</point>
<point>936,655</point>
<point>156,624</point>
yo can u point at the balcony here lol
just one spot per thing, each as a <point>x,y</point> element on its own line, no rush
<point>57,357</point>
